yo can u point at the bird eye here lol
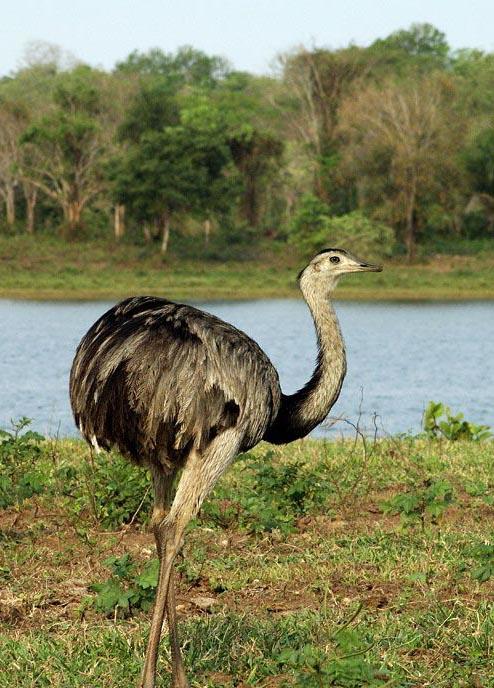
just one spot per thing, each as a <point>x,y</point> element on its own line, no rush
<point>334,259</point>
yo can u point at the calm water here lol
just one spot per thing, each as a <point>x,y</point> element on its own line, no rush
<point>399,357</point>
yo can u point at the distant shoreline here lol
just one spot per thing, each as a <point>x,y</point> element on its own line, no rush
<point>43,269</point>
<point>370,295</point>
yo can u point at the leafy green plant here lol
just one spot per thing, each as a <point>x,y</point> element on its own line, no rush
<point>126,590</point>
<point>108,487</point>
<point>484,557</point>
<point>20,476</point>
<point>482,490</point>
<point>273,495</point>
<point>346,666</point>
<point>314,226</point>
<point>440,422</point>
<point>430,499</point>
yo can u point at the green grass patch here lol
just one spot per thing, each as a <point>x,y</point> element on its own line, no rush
<point>43,267</point>
<point>324,563</point>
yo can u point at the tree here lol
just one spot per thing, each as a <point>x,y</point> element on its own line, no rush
<point>319,79</point>
<point>420,48</point>
<point>65,148</point>
<point>478,157</point>
<point>401,144</point>
<point>173,169</point>
<point>13,118</point>
<point>313,228</point>
<point>256,155</point>
<point>188,67</point>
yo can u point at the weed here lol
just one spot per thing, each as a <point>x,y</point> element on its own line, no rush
<point>272,495</point>
<point>125,590</point>
<point>484,556</point>
<point>108,487</point>
<point>20,478</point>
<point>430,499</point>
<point>439,422</point>
<point>345,665</point>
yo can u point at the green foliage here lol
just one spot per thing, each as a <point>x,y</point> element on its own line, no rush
<point>273,496</point>
<point>439,422</point>
<point>187,66</point>
<point>109,488</point>
<point>77,91</point>
<point>484,557</point>
<point>420,39</point>
<point>346,666</point>
<point>420,47</point>
<point>20,477</point>
<point>427,500</point>
<point>175,168</point>
<point>479,160</point>
<point>126,590</point>
<point>313,228</point>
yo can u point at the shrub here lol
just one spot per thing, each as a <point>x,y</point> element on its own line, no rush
<point>20,476</point>
<point>125,590</point>
<point>439,422</point>
<point>430,499</point>
<point>345,666</point>
<point>314,227</point>
<point>109,487</point>
<point>272,497</point>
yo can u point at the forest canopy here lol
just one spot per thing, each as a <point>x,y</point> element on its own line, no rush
<point>389,146</point>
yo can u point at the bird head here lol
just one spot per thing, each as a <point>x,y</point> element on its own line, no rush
<point>327,266</point>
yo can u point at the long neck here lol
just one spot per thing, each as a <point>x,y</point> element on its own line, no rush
<point>299,413</point>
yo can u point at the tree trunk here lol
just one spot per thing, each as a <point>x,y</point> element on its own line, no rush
<point>72,212</point>
<point>410,223</point>
<point>31,196</point>
<point>119,221</point>
<point>250,202</point>
<point>410,239</point>
<point>10,204</point>
<point>146,230</point>
<point>165,229</point>
<point>207,231</point>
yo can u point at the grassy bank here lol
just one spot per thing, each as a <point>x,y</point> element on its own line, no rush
<point>314,565</point>
<point>43,268</point>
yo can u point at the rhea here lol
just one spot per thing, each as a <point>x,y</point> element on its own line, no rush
<point>181,392</point>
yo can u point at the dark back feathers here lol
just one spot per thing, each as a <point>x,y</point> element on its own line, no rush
<point>156,378</point>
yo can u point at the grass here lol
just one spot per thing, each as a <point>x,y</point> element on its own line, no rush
<point>340,592</point>
<point>44,268</point>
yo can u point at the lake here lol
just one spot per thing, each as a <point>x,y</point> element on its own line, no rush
<point>400,356</point>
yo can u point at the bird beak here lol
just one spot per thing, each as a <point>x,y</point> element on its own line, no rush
<point>368,267</point>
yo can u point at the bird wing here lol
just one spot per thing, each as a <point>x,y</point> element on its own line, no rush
<point>155,376</point>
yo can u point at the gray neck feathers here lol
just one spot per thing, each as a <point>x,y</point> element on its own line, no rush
<point>299,413</point>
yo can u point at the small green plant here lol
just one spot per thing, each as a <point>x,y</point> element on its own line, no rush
<point>346,666</point>
<point>20,476</point>
<point>125,590</point>
<point>272,497</point>
<point>440,422</point>
<point>484,557</point>
<point>429,499</point>
<point>109,488</point>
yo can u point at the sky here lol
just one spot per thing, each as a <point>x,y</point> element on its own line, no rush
<point>250,33</point>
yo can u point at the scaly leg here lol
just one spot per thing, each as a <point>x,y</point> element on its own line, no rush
<point>163,491</point>
<point>200,473</point>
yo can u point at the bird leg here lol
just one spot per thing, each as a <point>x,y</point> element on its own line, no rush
<point>200,473</point>
<point>170,539</point>
<point>163,484</point>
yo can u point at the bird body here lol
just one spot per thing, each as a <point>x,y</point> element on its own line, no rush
<point>156,379</point>
<point>178,390</point>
